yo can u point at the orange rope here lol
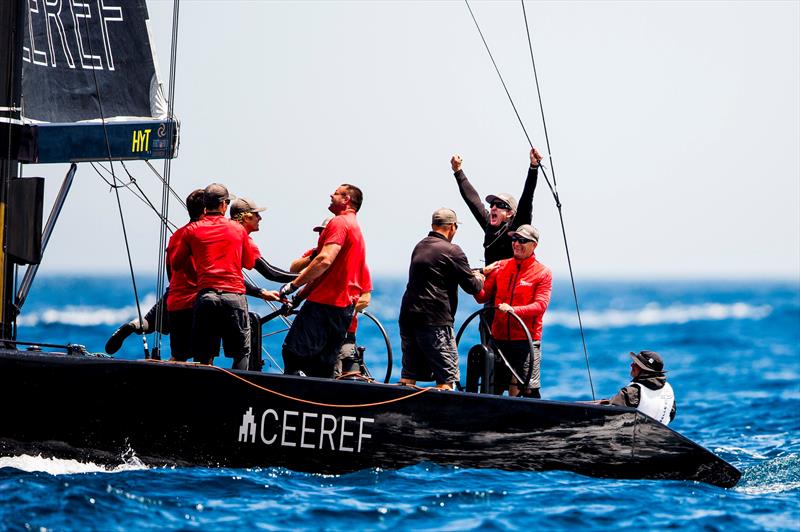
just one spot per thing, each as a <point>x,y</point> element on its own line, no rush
<point>299,400</point>
<point>355,374</point>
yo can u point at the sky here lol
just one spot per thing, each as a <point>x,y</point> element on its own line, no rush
<point>674,130</point>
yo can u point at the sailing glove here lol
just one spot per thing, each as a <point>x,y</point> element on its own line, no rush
<point>286,289</point>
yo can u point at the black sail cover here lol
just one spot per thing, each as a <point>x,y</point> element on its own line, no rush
<point>87,60</point>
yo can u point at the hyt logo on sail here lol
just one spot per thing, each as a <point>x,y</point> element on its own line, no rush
<point>307,430</point>
<point>141,140</point>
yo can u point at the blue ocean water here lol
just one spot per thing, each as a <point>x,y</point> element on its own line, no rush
<point>732,354</point>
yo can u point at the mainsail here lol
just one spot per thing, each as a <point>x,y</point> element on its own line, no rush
<point>90,84</point>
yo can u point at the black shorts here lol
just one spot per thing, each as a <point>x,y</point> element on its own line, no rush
<point>516,352</point>
<point>312,344</point>
<point>220,316</point>
<point>180,336</point>
<point>429,353</point>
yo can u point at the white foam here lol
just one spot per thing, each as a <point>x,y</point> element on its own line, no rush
<point>84,315</point>
<point>59,466</point>
<point>651,314</point>
<point>655,314</point>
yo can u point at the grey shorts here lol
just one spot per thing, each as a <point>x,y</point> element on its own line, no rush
<point>429,353</point>
<point>517,354</point>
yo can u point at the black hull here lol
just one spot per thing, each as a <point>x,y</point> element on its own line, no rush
<point>177,414</point>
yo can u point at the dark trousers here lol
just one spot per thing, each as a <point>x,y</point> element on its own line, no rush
<point>312,344</point>
<point>221,316</point>
<point>180,337</point>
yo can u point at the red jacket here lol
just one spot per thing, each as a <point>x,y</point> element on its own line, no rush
<point>526,286</point>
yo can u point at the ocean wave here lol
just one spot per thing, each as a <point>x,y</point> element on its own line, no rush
<point>59,466</point>
<point>776,475</point>
<point>656,314</point>
<point>85,315</point>
<point>651,314</point>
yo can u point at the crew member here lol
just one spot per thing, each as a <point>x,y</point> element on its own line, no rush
<point>248,214</point>
<point>183,289</point>
<point>348,348</point>
<point>504,214</point>
<point>438,268</point>
<point>220,249</point>
<point>338,275</point>
<point>520,285</point>
<point>649,392</point>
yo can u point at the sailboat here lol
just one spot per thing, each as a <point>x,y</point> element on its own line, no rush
<point>72,93</point>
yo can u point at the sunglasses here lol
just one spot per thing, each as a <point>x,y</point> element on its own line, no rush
<point>520,239</point>
<point>501,205</point>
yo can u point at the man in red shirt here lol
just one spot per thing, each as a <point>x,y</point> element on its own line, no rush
<point>179,298</point>
<point>338,272</point>
<point>520,285</point>
<point>182,286</point>
<point>220,248</point>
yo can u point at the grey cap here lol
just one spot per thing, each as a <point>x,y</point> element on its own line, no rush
<point>648,361</point>
<point>508,199</point>
<point>444,216</point>
<point>214,193</point>
<point>322,225</point>
<point>243,205</point>
<point>526,231</point>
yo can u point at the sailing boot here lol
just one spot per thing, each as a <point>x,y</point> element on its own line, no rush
<point>115,342</point>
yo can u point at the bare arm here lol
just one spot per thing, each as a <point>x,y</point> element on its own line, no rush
<point>299,263</point>
<point>363,301</point>
<point>319,265</point>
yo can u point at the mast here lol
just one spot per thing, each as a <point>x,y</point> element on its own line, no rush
<point>12,23</point>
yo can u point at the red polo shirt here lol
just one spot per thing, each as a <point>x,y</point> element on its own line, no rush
<point>220,249</point>
<point>344,281</point>
<point>182,283</point>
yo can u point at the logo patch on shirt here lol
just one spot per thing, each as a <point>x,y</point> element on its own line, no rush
<point>525,283</point>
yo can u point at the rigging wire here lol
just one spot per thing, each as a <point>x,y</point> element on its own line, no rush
<point>550,185</point>
<point>116,189</point>
<point>141,196</point>
<point>558,203</point>
<point>163,181</point>
<point>166,189</point>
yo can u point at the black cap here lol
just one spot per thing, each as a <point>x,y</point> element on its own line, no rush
<point>648,361</point>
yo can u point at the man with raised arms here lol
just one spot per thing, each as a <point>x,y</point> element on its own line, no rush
<point>504,213</point>
<point>339,277</point>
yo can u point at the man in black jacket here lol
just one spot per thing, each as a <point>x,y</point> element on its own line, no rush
<point>649,391</point>
<point>438,268</point>
<point>504,214</point>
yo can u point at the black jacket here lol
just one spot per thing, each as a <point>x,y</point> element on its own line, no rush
<point>496,242</point>
<point>630,395</point>
<point>438,268</point>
